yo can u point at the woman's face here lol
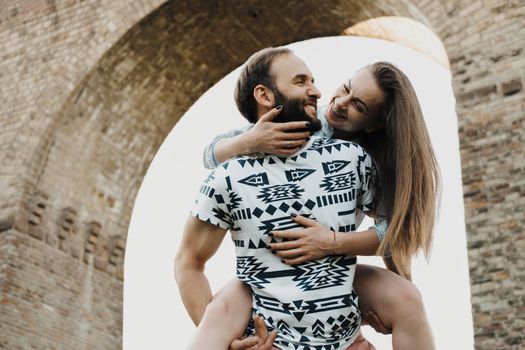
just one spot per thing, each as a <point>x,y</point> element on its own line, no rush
<point>356,104</point>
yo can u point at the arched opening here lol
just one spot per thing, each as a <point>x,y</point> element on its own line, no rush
<point>167,194</point>
<point>404,31</point>
<point>68,188</point>
<point>85,172</point>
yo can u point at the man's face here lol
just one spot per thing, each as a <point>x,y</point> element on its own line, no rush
<point>356,104</point>
<point>294,110</point>
<point>296,91</point>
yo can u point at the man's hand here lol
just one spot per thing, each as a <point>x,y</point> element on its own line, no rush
<point>274,138</point>
<point>260,341</point>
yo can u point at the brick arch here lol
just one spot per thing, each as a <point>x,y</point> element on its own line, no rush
<point>93,111</point>
<point>111,125</point>
<point>47,49</point>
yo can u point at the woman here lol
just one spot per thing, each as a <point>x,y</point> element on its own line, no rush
<point>379,110</point>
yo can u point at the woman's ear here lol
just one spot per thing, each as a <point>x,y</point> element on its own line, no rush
<point>377,125</point>
<point>373,128</point>
<point>264,96</point>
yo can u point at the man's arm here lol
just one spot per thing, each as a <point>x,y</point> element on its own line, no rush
<point>200,241</point>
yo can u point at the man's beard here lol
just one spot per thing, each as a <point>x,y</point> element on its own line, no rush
<point>293,111</point>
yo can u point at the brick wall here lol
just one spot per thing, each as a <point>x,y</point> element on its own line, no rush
<point>485,42</point>
<point>89,89</point>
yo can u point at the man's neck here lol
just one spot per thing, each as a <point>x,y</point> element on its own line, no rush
<point>346,135</point>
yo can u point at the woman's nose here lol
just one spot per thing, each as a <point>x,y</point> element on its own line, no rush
<point>341,103</point>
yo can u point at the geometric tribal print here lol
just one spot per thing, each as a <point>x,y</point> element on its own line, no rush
<point>222,215</point>
<point>235,200</point>
<point>280,193</point>
<point>278,224</point>
<point>255,180</point>
<point>336,198</point>
<point>250,161</point>
<point>284,207</point>
<point>250,271</point>
<point>343,325</point>
<point>311,275</point>
<point>298,174</point>
<point>324,274</point>
<point>300,308</point>
<point>312,305</point>
<point>210,177</point>
<point>338,182</point>
<point>324,143</point>
<point>334,167</point>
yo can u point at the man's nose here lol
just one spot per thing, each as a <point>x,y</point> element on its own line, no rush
<point>313,91</point>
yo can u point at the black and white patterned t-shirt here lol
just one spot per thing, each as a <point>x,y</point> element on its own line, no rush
<point>312,305</point>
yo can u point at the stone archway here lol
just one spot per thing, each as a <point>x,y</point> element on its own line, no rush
<point>87,131</point>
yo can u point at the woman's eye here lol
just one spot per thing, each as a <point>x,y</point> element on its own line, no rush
<point>347,89</point>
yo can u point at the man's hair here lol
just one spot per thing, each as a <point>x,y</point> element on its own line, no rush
<point>256,71</point>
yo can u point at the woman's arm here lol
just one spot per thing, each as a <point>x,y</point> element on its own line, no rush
<point>263,137</point>
<point>316,241</point>
<point>208,157</point>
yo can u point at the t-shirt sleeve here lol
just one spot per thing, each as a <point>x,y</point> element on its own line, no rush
<point>380,228</point>
<point>368,177</point>
<point>211,204</point>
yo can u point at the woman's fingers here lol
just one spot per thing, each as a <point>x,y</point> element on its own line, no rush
<point>290,253</point>
<point>294,136</point>
<point>270,115</point>
<point>290,144</point>
<point>289,126</point>
<point>296,261</point>
<point>285,245</point>
<point>304,221</point>
<point>289,234</point>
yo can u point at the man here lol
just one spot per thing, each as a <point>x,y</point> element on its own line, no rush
<point>312,305</point>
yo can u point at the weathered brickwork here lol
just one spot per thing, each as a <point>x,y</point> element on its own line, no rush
<point>89,90</point>
<point>485,42</point>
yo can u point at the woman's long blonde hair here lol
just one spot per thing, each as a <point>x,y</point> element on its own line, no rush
<point>408,172</point>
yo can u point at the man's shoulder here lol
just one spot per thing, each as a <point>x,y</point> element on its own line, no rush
<point>240,164</point>
<point>328,143</point>
<point>325,149</point>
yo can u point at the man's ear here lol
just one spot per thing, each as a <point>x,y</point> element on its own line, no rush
<point>264,96</point>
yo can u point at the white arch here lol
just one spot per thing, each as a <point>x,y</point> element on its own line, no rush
<point>153,313</point>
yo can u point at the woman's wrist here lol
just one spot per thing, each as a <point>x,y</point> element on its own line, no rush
<point>334,241</point>
<point>337,243</point>
<point>245,144</point>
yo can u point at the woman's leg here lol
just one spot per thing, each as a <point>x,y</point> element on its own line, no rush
<point>225,317</point>
<point>398,304</point>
